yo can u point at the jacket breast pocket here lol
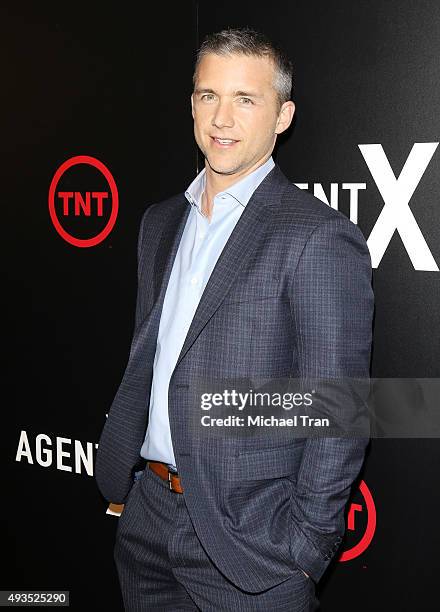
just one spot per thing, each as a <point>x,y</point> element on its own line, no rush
<point>253,287</point>
<point>247,298</point>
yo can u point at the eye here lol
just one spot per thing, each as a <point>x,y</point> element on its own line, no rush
<point>207,97</point>
<point>246,101</point>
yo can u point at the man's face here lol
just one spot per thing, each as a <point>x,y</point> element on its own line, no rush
<point>236,112</point>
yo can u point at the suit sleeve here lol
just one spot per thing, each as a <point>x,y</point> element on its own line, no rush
<point>332,304</point>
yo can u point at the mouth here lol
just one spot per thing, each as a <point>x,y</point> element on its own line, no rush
<point>224,143</point>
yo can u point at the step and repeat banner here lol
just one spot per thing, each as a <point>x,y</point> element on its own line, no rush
<point>98,126</point>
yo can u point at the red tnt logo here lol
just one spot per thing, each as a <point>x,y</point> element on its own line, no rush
<point>80,204</point>
<point>83,204</point>
<point>354,511</point>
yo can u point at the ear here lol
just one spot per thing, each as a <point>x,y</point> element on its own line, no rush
<point>192,105</point>
<point>285,117</point>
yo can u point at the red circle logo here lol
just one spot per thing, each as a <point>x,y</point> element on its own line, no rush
<point>366,538</point>
<point>99,196</point>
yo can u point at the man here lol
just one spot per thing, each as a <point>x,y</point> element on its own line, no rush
<point>244,276</point>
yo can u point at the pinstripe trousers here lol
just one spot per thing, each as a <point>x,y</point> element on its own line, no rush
<point>162,565</point>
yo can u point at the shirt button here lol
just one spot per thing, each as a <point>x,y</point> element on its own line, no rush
<point>194,280</point>
<point>202,235</point>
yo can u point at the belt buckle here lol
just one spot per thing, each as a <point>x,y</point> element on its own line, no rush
<point>169,481</point>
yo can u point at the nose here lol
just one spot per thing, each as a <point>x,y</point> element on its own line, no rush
<point>223,116</point>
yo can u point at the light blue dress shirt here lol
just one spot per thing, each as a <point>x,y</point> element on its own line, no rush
<point>200,246</point>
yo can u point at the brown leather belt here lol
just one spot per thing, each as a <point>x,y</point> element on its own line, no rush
<point>161,469</point>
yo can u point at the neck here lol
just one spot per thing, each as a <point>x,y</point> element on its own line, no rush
<point>216,182</point>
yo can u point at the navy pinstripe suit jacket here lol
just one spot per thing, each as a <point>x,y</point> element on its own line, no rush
<point>290,296</point>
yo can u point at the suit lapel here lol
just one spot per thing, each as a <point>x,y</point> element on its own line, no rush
<point>238,250</point>
<point>168,245</point>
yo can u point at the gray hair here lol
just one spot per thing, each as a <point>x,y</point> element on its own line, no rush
<point>246,41</point>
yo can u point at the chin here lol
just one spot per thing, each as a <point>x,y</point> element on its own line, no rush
<point>220,168</point>
<point>225,170</point>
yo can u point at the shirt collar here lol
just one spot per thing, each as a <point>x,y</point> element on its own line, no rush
<point>241,191</point>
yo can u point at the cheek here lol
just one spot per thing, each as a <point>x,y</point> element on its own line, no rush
<point>200,123</point>
<point>260,126</point>
<point>261,135</point>
<point>197,130</point>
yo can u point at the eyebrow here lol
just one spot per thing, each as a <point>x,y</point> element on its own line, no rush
<point>247,94</point>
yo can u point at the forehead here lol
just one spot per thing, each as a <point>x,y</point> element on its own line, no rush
<point>235,72</point>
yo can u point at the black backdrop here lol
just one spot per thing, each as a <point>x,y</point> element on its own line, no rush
<point>113,82</point>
